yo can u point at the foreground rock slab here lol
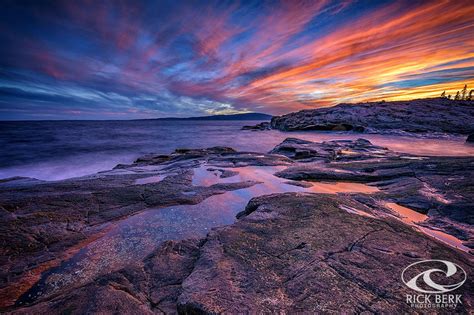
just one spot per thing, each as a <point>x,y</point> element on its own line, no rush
<point>293,252</point>
<point>151,286</point>
<point>43,223</point>
<point>303,253</point>
<point>288,252</point>
<point>440,187</point>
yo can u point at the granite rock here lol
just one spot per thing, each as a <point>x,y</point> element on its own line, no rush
<point>436,115</point>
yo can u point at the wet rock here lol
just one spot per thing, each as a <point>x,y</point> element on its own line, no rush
<point>149,287</point>
<point>437,186</point>
<point>342,173</point>
<point>299,184</point>
<point>151,159</point>
<point>248,159</point>
<point>258,127</point>
<point>212,150</point>
<point>15,179</point>
<point>283,256</point>
<point>333,127</point>
<point>435,115</point>
<point>223,172</point>
<point>43,222</point>
<point>330,150</point>
<point>292,252</point>
<point>444,224</point>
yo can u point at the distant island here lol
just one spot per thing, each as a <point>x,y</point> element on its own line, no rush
<point>245,116</point>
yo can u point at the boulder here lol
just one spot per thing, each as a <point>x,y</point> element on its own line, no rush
<point>258,127</point>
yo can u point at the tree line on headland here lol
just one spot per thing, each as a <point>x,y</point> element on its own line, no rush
<point>463,95</point>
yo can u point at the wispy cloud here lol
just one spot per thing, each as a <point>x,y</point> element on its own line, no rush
<point>131,59</point>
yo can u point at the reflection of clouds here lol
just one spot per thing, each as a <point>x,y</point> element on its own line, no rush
<point>161,59</point>
<point>135,237</point>
<point>268,183</point>
<point>413,218</point>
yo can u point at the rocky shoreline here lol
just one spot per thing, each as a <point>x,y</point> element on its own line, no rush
<point>271,260</point>
<point>435,116</point>
<point>291,249</point>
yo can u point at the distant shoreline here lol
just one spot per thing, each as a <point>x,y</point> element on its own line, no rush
<point>245,116</point>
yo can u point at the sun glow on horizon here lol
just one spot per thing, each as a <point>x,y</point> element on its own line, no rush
<point>149,59</point>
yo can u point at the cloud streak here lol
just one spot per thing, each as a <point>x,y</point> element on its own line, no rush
<point>124,59</point>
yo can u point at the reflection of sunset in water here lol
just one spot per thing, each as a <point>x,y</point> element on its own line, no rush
<point>407,215</point>
<point>342,187</point>
<point>135,237</point>
<point>162,137</point>
<point>273,184</point>
<point>412,217</point>
<point>449,146</point>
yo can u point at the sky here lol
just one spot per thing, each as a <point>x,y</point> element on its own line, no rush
<point>99,59</point>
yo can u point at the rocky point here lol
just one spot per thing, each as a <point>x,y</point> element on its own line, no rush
<point>297,251</point>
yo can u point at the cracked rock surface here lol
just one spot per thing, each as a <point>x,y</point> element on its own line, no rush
<point>308,255</point>
<point>293,252</point>
<point>287,252</point>
<point>42,222</point>
<point>437,115</point>
<point>440,187</point>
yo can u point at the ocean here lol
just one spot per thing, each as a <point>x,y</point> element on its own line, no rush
<point>55,150</point>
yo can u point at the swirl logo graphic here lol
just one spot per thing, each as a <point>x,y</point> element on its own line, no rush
<point>452,273</point>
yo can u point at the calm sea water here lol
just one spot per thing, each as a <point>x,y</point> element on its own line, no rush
<point>53,150</point>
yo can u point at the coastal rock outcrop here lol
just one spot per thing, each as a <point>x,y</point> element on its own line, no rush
<point>151,286</point>
<point>284,256</point>
<point>261,126</point>
<point>43,223</point>
<point>298,149</point>
<point>281,256</point>
<point>437,186</point>
<point>287,252</point>
<point>437,115</point>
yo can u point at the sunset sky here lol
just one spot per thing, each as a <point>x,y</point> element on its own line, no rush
<point>132,59</point>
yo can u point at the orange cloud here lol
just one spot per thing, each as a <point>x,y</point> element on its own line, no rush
<point>367,58</point>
